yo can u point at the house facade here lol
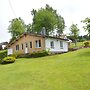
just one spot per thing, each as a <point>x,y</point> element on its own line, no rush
<point>29,43</point>
<point>56,45</point>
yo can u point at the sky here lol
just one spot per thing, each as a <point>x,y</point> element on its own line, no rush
<point>73,11</point>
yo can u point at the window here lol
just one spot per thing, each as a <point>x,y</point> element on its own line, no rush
<point>30,44</point>
<point>22,46</point>
<point>26,45</point>
<point>52,44</point>
<point>61,44</point>
<point>38,43</point>
<point>17,47</point>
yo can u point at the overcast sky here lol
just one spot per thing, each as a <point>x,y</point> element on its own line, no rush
<point>73,11</point>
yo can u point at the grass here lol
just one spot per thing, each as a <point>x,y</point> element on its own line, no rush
<point>79,44</point>
<point>69,71</point>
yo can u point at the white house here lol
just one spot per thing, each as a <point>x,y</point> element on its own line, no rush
<point>29,43</point>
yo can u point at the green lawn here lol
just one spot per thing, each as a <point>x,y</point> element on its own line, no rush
<point>79,44</point>
<point>69,71</point>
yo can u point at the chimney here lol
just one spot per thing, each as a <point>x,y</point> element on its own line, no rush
<point>43,32</point>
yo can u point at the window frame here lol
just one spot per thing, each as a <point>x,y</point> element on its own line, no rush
<point>26,45</point>
<point>61,44</point>
<point>52,44</point>
<point>30,44</point>
<point>37,43</point>
<point>17,47</point>
<point>22,46</point>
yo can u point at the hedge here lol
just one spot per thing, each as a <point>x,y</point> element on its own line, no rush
<point>3,54</point>
<point>33,55</point>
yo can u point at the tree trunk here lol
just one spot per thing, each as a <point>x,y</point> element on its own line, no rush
<point>75,42</point>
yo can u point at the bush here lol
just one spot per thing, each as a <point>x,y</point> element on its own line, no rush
<point>3,54</point>
<point>34,54</point>
<point>16,54</point>
<point>24,55</point>
<point>8,59</point>
<point>87,43</point>
<point>39,54</point>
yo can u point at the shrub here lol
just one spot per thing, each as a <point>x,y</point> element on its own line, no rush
<point>16,54</point>
<point>87,43</point>
<point>24,55</point>
<point>3,54</point>
<point>34,54</point>
<point>8,59</point>
<point>39,54</point>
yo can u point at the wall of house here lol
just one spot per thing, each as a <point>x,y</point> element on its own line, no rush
<point>27,39</point>
<point>57,47</point>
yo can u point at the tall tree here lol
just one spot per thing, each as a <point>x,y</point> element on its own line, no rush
<point>49,19</point>
<point>16,27</point>
<point>33,13</point>
<point>44,18</point>
<point>74,32</point>
<point>60,25</point>
<point>87,25</point>
<point>60,20</point>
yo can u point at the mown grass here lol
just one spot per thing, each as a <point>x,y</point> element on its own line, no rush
<point>69,71</point>
<point>79,44</point>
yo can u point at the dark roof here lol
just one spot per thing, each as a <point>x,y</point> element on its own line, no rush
<point>4,43</point>
<point>56,37</point>
<point>37,35</point>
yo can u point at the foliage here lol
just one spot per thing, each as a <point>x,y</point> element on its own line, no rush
<point>60,20</point>
<point>3,54</point>
<point>46,19</point>
<point>79,44</point>
<point>49,19</point>
<point>29,28</point>
<point>69,71</point>
<point>8,59</point>
<point>16,54</point>
<point>34,54</point>
<point>87,25</point>
<point>74,32</point>
<point>86,37</point>
<point>87,43</point>
<point>81,39</point>
<point>60,25</point>
<point>39,54</point>
<point>16,27</point>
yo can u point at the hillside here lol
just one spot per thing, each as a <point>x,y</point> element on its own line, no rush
<point>69,71</point>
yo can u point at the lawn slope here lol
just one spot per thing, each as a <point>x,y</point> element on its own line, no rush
<point>69,71</point>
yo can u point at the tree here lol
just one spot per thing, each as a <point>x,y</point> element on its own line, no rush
<point>33,13</point>
<point>60,20</point>
<point>74,32</point>
<point>87,25</point>
<point>49,19</point>
<point>44,18</point>
<point>29,28</point>
<point>16,27</point>
<point>60,25</point>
